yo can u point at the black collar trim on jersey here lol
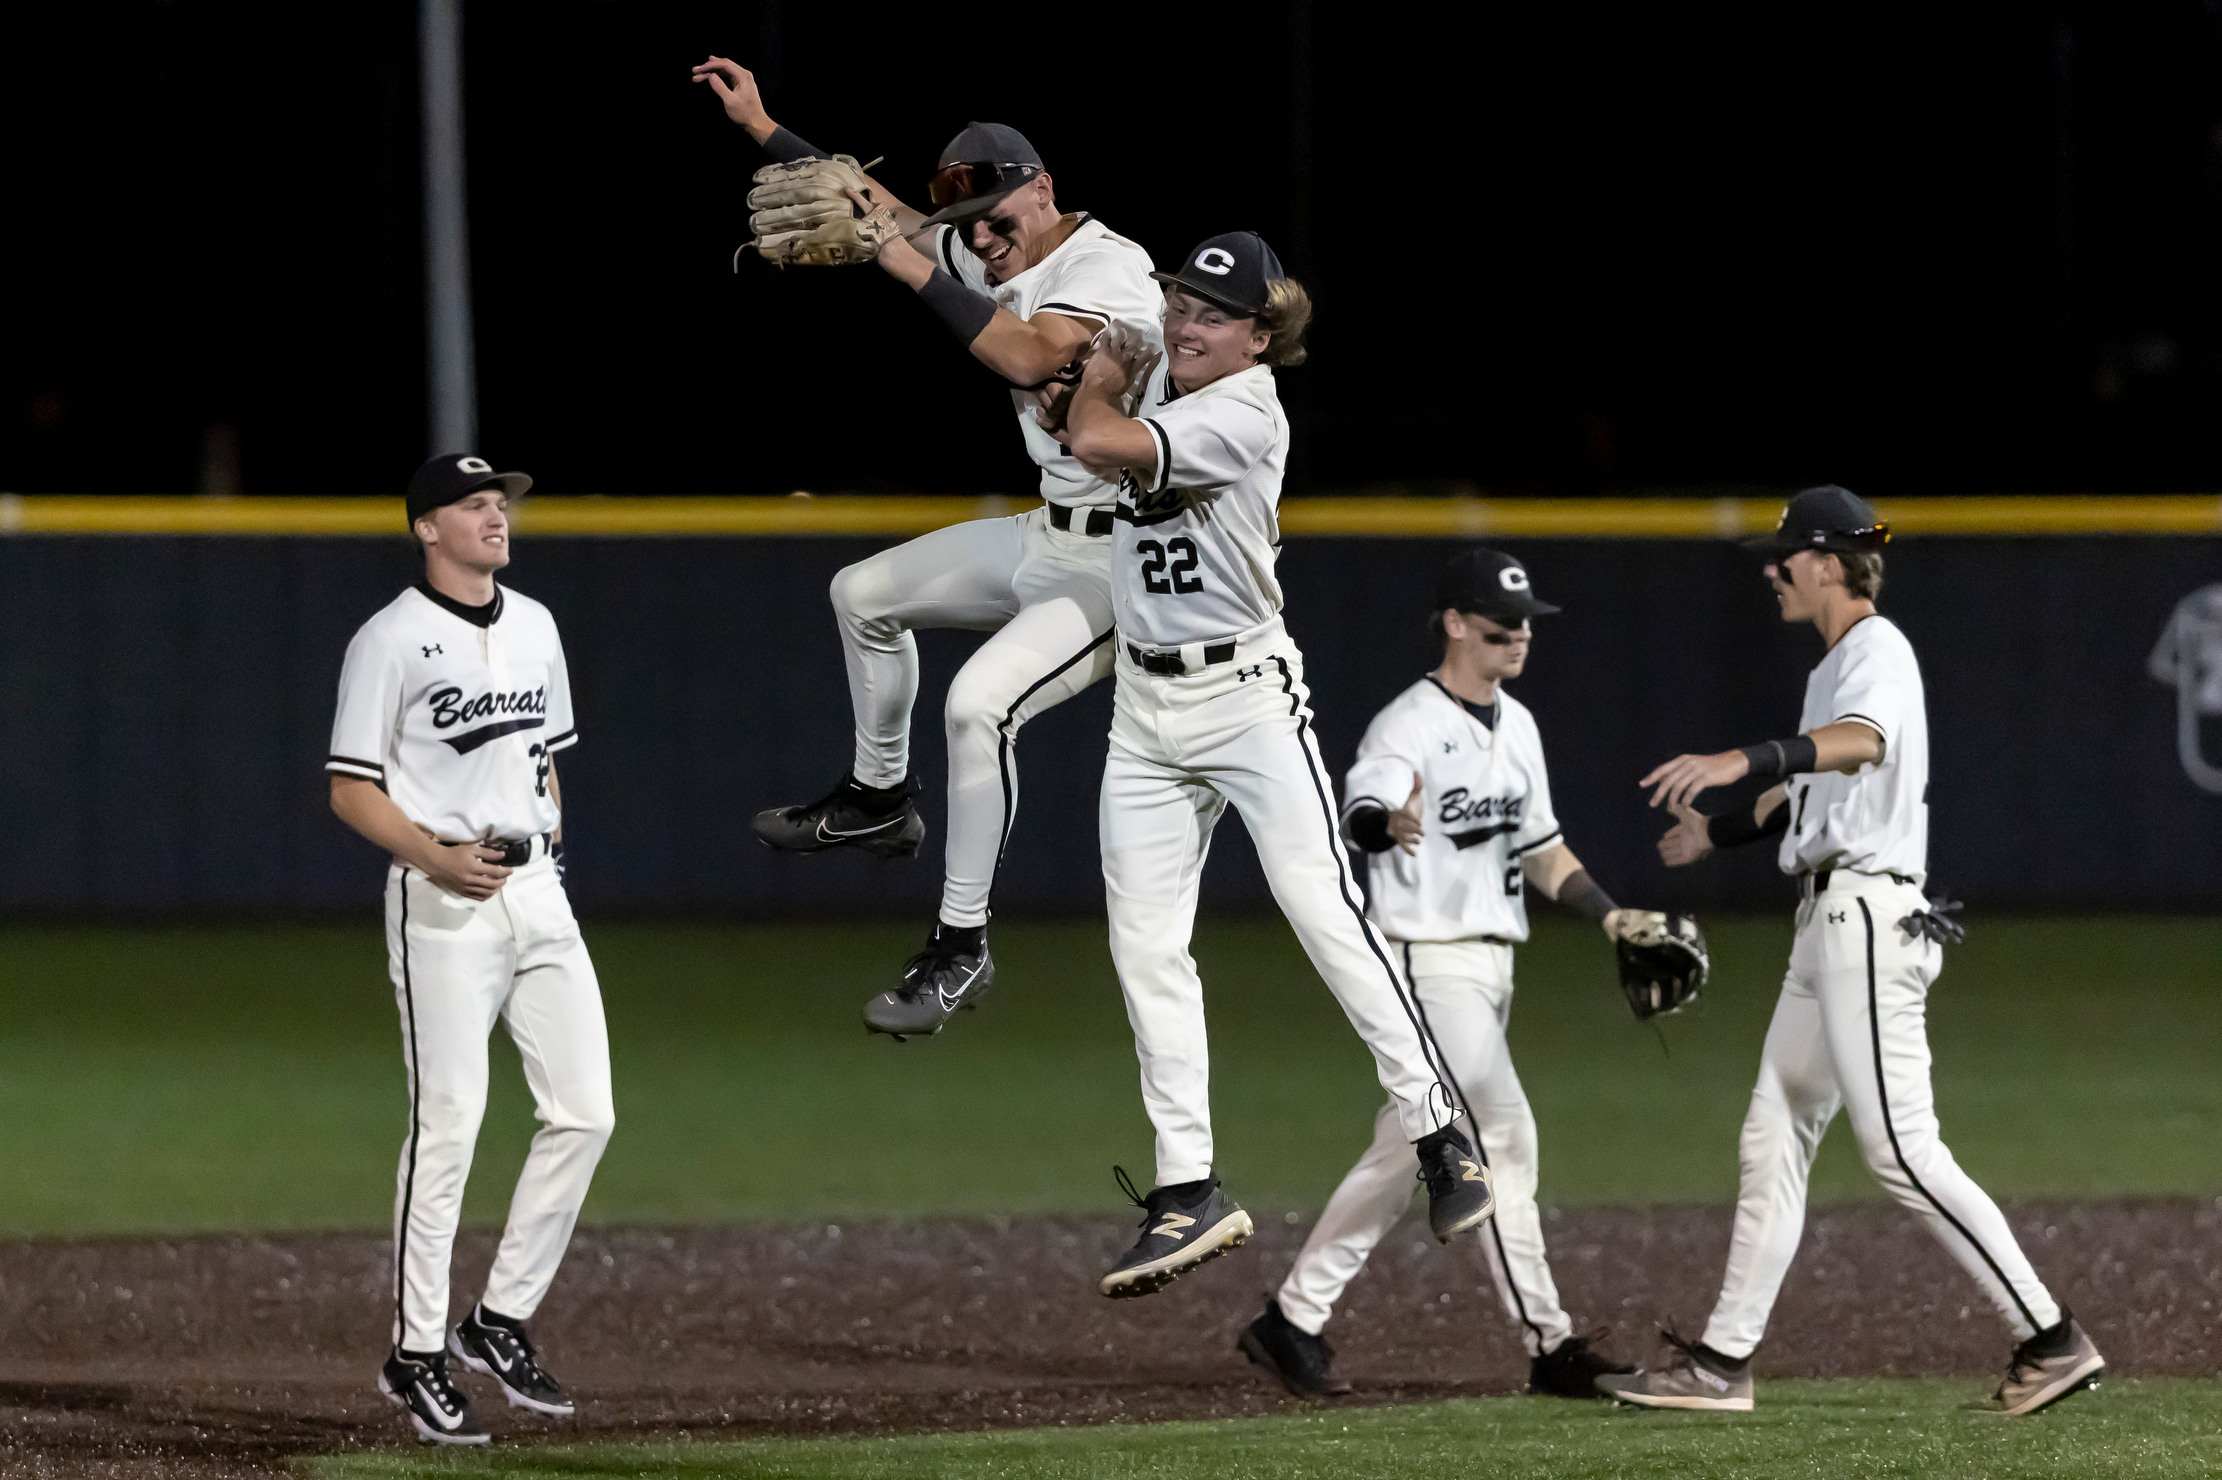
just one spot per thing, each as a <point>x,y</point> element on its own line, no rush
<point>1486,713</point>
<point>477,616</point>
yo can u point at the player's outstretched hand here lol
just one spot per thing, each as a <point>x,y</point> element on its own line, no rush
<point>468,870</point>
<point>1405,827</point>
<point>1677,783</point>
<point>1688,840</point>
<point>735,86</point>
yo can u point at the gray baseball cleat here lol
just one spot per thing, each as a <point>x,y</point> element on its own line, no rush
<point>1458,1193</point>
<point>498,1347</point>
<point>420,1385</point>
<point>953,973</point>
<point>2049,1366</point>
<point>883,821</point>
<point>1695,1376</point>
<point>1182,1226</point>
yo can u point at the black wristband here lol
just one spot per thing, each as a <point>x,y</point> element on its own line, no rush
<point>1583,893</point>
<point>1367,828</point>
<point>964,311</point>
<point>1771,759</point>
<point>1733,828</point>
<point>785,148</point>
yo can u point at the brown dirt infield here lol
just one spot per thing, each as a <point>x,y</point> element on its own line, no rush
<point>220,1356</point>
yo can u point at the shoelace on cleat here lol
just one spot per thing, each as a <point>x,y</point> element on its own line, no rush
<point>444,1391</point>
<point>918,972</point>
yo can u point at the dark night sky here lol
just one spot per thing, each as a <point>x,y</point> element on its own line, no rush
<point>1569,252</point>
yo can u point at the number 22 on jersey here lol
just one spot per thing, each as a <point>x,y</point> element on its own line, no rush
<point>1184,580</point>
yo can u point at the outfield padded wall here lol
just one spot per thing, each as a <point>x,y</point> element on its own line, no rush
<point>168,701</point>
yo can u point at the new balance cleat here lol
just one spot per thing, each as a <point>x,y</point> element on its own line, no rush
<point>1299,1359</point>
<point>421,1387</point>
<point>883,821</point>
<point>500,1348</point>
<point>1458,1195</point>
<point>1571,1370</point>
<point>2051,1365</point>
<point>1694,1376</point>
<point>953,973</point>
<point>1182,1226</point>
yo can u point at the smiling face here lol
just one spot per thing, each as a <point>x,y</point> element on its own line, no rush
<point>1018,233</point>
<point>472,532</point>
<point>1204,343</point>
<point>1490,648</point>
<point>1801,581</point>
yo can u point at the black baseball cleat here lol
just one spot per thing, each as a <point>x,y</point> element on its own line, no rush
<point>953,973</point>
<point>1298,1358</point>
<point>1571,1370</point>
<point>1184,1225</point>
<point>1458,1195</point>
<point>419,1384</point>
<point>499,1347</point>
<point>883,821</point>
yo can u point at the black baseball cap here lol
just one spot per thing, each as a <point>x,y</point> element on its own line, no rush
<point>1825,518</point>
<point>1232,270</point>
<point>454,476</point>
<point>1489,583</point>
<point>981,166</point>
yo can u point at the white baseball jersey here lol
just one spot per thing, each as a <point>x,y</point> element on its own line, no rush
<point>457,720</point>
<point>1485,805</point>
<point>1095,274</point>
<point>1876,821</point>
<point>1193,550</point>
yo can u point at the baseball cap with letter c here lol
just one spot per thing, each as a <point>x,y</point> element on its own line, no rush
<point>1830,518</point>
<point>1489,583</point>
<point>454,476</point>
<point>1233,271</point>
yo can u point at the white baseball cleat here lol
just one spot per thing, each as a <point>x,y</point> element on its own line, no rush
<point>1694,1377</point>
<point>2049,1366</point>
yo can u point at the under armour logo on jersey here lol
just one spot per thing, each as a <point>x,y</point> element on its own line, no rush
<point>1172,1226</point>
<point>432,647</point>
<point>473,465</point>
<point>1450,747</point>
<point>1837,917</point>
<point>1255,670</point>
<point>1217,261</point>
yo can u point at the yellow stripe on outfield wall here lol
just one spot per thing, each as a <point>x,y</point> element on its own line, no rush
<point>1370,517</point>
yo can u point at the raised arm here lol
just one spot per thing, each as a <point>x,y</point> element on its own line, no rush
<point>1098,432</point>
<point>1025,352</point>
<point>736,88</point>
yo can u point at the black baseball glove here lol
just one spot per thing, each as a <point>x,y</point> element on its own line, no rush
<point>1936,922</point>
<point>1663,962</point>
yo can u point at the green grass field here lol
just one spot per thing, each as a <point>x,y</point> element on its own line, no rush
<point>250,1078</point>
<point>1823,1430</point>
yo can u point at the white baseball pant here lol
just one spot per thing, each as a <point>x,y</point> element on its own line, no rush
<point>457,966</point>
<point>1464,991</point>
<point>1182,747</point>
<point>1850,1031</point>
<point>1046,595</point>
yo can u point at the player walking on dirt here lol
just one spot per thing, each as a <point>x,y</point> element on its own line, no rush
<point>1451,800</point>
<point>1024,287</point>
<point>1850,1031</point>
<point>1211,708</point>
<point>453,702</point>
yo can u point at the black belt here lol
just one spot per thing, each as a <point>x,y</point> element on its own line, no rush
<point>1820,878</point>
<point>1098,523</point>
<point>1171,664</point>
<point>515,852</point>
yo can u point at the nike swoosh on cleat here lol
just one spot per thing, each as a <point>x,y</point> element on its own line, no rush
<point>949,1003</point>
<point>828,835</point>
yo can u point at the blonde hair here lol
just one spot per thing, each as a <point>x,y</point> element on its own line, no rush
<point>1286,315</point>
<point>1863,573</point>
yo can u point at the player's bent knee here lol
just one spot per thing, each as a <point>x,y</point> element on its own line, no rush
<point>851,591</point>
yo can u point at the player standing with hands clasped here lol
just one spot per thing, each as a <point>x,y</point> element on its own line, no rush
<point>1024,288</point>
<point>1850,1030</point>
<point>453,702</point>
<point>1211,708</point>
<point>1450,798</point>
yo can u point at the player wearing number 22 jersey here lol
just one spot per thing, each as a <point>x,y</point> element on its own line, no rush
<point>1210,708</point>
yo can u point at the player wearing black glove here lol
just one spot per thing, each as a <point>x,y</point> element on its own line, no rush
<point>1451,801</point>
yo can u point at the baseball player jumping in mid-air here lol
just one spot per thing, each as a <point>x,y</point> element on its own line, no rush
<point>1450,798</point>
<point>1211,708</point>
<point>1025,288</point>
<point>1850,1033</point>
<point>453,702</point>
